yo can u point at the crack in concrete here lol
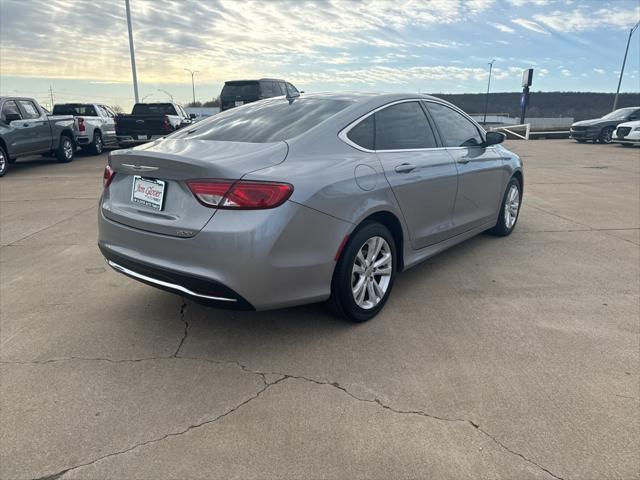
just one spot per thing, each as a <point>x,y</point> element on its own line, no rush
<point>281,377</point>
<point>61,473</point>
<point>183,309</point>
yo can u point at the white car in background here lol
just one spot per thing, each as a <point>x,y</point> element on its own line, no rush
<point>94,124</point>
<point>627,134</point>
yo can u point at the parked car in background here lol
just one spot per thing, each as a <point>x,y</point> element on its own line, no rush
<point>627,134</point>
<point>26,129</point>
<point>238,92</point>
<point>94,124</point>
<point>291,201</point>
<point>149,121</point>
<point>601,129</point>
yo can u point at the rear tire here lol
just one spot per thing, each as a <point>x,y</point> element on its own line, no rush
<point>66,149</point>
<point>97,145</point>
<point>365,273</point>
<point>509,210</point>
<point>4,162</point>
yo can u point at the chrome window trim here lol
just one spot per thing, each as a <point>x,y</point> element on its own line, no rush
<point>162,283</point>
<point>342,135</point>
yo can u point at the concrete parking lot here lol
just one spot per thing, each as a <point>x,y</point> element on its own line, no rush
<point>508,358</point>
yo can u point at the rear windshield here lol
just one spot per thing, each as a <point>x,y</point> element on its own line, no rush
<point>240,90</point>
<point>75,109</point>
<point>154,109</point>
<point>265,121</point>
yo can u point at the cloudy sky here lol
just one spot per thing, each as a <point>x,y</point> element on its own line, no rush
<point>80,47</point>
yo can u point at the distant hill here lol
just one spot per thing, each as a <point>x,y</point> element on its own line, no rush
<point>579,105</point>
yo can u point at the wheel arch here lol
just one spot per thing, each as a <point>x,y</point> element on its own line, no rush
<point>518,175</point>
<point>392,222</point>
<point>3,144</point>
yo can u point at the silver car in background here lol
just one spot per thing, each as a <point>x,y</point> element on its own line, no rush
<point>321,197</point>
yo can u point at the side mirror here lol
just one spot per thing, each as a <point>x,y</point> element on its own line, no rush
<point>493,138</point>
<point>11,117</point>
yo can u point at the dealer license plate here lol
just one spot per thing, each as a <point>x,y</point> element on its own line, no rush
<point>148,192</point>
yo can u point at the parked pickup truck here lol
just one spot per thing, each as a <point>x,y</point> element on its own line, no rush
<point>94,124</point>
<point>149,121</point>
<point>27,129</point>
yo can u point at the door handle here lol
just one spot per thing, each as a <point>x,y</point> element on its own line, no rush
<point>405,168</point>
<point>464,161</point>
<point>25,124</point>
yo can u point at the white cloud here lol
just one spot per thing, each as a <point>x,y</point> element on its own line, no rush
<point>582,20</point>
<point>520,3</point>
<point>565,72</point>
<point>503,28</point>
<point>529,25</point>
<point>599,70</point>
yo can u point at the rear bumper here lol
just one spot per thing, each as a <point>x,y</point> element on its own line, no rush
<point>134,140</point>
<point>262,259</point>
<point>83,140</point>
<point>199,289</point>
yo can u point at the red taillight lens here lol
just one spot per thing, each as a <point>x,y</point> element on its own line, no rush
<point>166,124</point>
<point>241,195</point>
<point>81,126</point>
<point>107,176</point>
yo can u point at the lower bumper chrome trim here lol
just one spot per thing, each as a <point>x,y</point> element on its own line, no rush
<point>164,284</point>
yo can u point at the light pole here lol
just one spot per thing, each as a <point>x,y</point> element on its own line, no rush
<point>486,101</point>
<point>615,100</point>
<point>133,55</point>
<point>166,93</point>
<point>193,85</point>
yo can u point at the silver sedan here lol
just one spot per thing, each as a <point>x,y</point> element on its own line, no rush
<point>319,197</point>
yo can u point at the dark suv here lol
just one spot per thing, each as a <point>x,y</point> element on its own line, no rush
<point>238,92</point>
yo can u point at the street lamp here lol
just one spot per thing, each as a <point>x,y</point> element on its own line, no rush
<point>193,86</point>
<point>486,101</point>
<point>615,100</point>
<point>166,93</point>
<point>131,49</point>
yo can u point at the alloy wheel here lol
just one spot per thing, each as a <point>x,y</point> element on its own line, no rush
<point>3,162</point>
<point>607,135</point>
<point>67,148</point>
<point>511,206</point>
<point>97,142</point>
<point>371,272</point>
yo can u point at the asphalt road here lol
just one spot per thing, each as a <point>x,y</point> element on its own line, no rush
<point>508,358</point>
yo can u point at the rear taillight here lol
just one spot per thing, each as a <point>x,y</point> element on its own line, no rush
<point>81,126</point>
<point>240,195</point>
<point>166,124</point>
<point>107,176</point>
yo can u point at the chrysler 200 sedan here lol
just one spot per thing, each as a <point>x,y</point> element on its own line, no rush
<point>289,201</point>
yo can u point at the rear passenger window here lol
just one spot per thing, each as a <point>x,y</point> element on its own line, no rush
<point>29,109</point>
<point>455,129</point>
<point>363,133</point>
<point>403,126</point>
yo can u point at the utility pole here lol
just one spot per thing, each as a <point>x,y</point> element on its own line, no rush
<point>51,94</point>
<point>615,100</point>
<point>131,49</point>
<point>193,86</point>
<point>486,101</point>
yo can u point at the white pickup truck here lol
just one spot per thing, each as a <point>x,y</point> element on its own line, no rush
<point>94,124</point>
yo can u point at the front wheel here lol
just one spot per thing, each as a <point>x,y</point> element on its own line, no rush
<point>365,273</point>
<point>606,136</point>
<point>65,150</point>
<point>509,210</point>
<point>4,161</point>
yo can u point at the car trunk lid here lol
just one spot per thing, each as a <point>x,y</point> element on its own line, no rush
<point>163,203</point>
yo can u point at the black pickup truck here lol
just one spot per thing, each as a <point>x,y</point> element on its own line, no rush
<point>149,121</point>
